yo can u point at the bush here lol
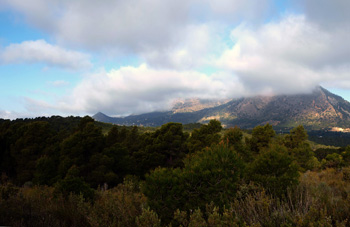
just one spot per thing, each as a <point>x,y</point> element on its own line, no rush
<point>117,207</point>
<point>275,170</point>
<point>209,175</point>
<point>40,206</point>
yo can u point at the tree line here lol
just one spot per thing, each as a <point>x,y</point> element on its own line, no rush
<point>208,177</point>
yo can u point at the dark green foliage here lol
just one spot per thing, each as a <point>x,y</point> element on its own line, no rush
<point>261,138</point>
<point>165,147</point>
<point>299,148</point>
<point>72,183</point>
<point>346,155</point>
<point>208,187</point>
<point>208,175</point>
<point>296,137</point>
<point>192,126</point>
<point>45,172</point>
<point>84,121</point>
<point>170,141</point>
<point>33,140</point>
<point>110,166</point>
<point>234,137</point>
<point>304,157</point>
<point>79,148</point>
<point>330,138</point>
<point>275,170</point>
<point>333,161</point>
<point>26,141</point>
<point>112,137</point>
<point>205,136</point>
<point>321,153</point>
<point>213,174</point>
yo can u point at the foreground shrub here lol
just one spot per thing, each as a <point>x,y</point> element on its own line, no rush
<point>117,207</point>
<point>275,170</point>
<point>208,175</point>
<point>40,206</point>
<point>320,199</point>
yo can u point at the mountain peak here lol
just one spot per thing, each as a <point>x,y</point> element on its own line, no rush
<point>102,117</point>
<point>99,114</point>
<point>319,109</point>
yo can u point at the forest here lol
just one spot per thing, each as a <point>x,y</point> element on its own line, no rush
<point>74,171</point>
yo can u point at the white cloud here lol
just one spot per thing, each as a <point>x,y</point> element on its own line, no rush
<point>174,38</point>
<point>191,52</point>
<point>12,115</point>
<point>289,56</point>
<point>40,51</point>
<point>165,33</point>
<point>124,25</point>
<point>132,90</point>
<point>6,114</point>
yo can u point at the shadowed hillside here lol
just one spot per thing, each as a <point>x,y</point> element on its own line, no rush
<point>317,110</point>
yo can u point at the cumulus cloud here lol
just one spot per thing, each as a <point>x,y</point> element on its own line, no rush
<point>40,51</point>
<point>289,56</point>
<point>163,32</point>
<point>285,57</point>
<point>192,51</point>
<point>131,25</point>
<point>132,90</point>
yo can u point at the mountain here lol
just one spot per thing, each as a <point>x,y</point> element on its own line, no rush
<point>319,109</point>
<point>103,118</point>
<point>196,104</point>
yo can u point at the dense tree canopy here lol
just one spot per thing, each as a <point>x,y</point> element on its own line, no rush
<point>261,138</point>
<point>210,176</point>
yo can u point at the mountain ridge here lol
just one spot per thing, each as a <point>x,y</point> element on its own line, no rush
<point>319,109</point>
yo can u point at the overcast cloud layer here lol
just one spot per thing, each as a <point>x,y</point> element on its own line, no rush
<point>249,46</point>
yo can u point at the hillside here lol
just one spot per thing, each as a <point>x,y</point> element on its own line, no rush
<point>317,110</point>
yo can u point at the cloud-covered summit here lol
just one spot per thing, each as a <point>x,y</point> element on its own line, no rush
<point>182,49</point>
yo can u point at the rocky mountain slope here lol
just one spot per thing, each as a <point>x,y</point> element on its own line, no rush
<point>319,109</point>
<point>196,104</point>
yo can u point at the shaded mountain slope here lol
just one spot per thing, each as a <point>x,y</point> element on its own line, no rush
<point>319,109</point>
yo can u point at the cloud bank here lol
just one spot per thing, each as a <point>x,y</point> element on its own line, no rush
<point>186,49</point>
<point>132,90</point>
<point>40,51</point>
<point>160,32</point>
<point>289,56</point>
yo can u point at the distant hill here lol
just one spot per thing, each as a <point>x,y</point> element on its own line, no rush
<point>317,110</point>
<point>103,118</point>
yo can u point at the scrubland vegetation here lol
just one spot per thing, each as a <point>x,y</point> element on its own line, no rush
<point>66,172</point>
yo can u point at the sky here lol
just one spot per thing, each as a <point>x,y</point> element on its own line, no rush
<point>63,57</point>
